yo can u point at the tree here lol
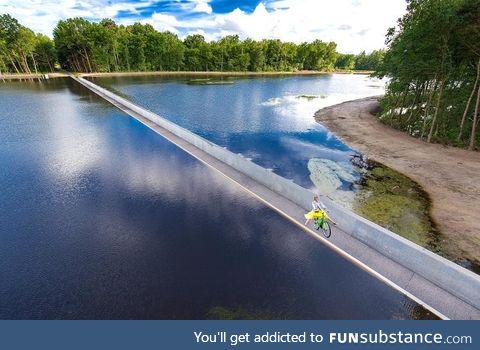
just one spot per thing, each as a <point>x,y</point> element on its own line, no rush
<point>345,61</point>
<point>433,62</point>
<point>74,44</point>
<point>172,52</point>
<point>318,55</point>
<point>84,46</point>
<point>197,53</point>
<point>370,61</point>
<point>45,53</point>
<point>256,51</point>
<point>23,51</point>
<point>10,35</point>
<point>3,56</point>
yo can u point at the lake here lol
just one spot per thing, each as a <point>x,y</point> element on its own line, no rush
<point>268,119</point>
<point>101,218</point>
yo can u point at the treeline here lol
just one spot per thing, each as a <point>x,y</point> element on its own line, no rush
<point>433,61</point>
<point>82,46</point>
<point>23,51</point>
<point>363,61</point>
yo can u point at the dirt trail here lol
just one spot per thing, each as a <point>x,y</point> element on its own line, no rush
<point>450,176</point>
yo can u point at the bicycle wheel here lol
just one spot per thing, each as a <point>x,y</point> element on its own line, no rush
<point>317,224</point>
<point>326,230</point>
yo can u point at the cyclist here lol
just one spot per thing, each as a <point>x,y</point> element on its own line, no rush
<point>317,207</point>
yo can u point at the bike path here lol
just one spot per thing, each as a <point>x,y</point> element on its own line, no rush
<point>396,276</point>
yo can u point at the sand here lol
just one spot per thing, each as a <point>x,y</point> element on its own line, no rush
<point>217,73</point>
<point>21,76</point>
<point>450,176</point>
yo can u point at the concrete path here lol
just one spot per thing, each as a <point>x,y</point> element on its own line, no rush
<point>432,297</point>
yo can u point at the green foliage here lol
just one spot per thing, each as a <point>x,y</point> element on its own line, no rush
<point>21,50</point>
<point>198,55</point>
<point>345,61</point>
<point>362,61</point>
<point>369,61</point>
<point>433,62</point>
<point>318,55</point>
<point>45,53</point>
<point>83,46</point>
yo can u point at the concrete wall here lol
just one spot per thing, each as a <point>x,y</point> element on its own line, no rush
<point>460,282</point>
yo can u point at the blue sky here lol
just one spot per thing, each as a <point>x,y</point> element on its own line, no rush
<point>354,25</point>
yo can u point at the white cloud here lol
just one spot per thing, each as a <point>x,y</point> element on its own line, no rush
<point>201,6</point>
<point>355,25</point>
<point>353,28</point>
<point>192,6</point>
<point>163,22</point>
<point>43,15</point>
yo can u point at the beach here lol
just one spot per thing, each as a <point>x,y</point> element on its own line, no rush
<point>31,76</point>
<point>450,176</point>
<point>24,76</point>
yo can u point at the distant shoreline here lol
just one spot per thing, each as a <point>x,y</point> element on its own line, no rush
<point>22,76</point>
<point>216,73</point>
<point>16,76</point>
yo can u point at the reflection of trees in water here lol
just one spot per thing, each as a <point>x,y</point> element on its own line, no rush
<point>240,313</point>
<point>413,311</point>
<point>418,312</point>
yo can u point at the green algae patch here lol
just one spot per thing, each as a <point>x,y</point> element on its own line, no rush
<point>397,203</point>
<point>240,313</point>
<point>310,97</point>
<point>208,81</point>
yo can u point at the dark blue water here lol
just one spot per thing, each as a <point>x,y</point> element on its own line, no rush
<point>101,218</point>
<point>268,119</point>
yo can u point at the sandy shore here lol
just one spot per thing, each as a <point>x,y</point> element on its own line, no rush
<point>450,176</point>
<point>31,76</point>
<point>10,76</point>
<point>202,73</point>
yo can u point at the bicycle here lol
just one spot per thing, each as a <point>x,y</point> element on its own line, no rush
<point>320,223</point>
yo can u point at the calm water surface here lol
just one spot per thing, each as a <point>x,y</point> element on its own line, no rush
<point>102,218</point>
<point>267,119</point>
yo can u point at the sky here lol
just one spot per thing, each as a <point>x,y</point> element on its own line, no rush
<point>355,25</point>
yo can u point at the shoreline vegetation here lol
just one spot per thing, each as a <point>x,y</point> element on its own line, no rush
<point>22,76</point>
<point>225,73</point>
<point>446,179</point>
<point>80,45</point>
<point>433,62</point>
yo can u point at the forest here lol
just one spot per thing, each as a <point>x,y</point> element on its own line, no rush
<point>433,63</point>
<point>80,45</point>
<point>23,51</point>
